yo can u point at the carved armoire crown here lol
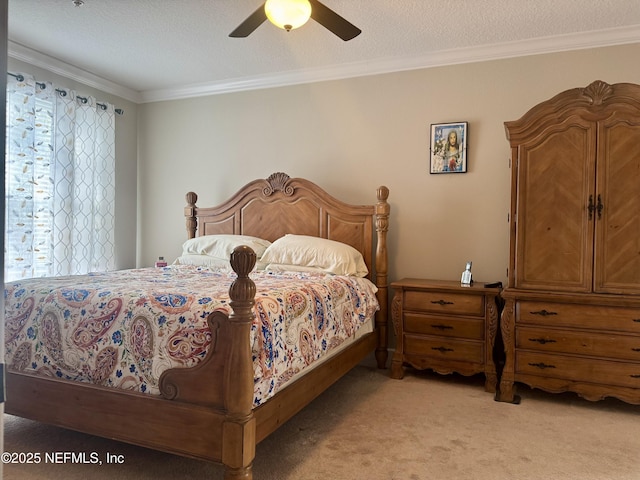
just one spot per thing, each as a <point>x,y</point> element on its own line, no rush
<point>571,320</point>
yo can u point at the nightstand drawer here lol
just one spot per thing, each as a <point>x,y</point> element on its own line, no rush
<point>444,302</point>
<point>444,326</point>
<point>439,347</point>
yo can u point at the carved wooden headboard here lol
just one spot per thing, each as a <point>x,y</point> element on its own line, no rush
<point>279,205</point>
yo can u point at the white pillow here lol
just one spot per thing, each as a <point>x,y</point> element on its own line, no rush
<point>279,268</point>
<point>221,246</point>
<point>305,251</point>
<point>208,261</point>
<point>201,261</point>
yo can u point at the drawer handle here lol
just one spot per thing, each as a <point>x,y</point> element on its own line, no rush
<point>442,327</point>
<point>543,312</point>
<point>541,341</point>
<point>634,376</point>
<point>542,365</point>
<point>635,349</point>
<point>442,349</point>
<point>441,302</point>
<point>637,320</point>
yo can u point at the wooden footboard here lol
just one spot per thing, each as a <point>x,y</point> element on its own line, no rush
<point>209,420</point>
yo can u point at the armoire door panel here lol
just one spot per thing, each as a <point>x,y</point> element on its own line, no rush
<point>554,239</point>
<point>617,252</point>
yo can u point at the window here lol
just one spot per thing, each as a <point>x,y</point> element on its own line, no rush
<point>60,174</point>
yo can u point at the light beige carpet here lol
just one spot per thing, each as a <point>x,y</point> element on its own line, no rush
<point>370,427</point>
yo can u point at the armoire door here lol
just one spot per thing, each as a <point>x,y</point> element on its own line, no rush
<point>554,225</point>
<point>617,257</point>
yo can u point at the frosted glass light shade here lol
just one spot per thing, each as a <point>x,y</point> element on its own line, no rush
<point>288,14</point>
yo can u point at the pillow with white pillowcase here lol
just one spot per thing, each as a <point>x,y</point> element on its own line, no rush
<point>315,253</point>
<point>221,246</point>
<point>208,261</point>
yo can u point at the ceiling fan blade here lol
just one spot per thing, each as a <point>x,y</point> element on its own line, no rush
<point>332,21</point>
<point>252,22</point>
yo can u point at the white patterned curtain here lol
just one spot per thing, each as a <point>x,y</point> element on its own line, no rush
<point>60,181</point>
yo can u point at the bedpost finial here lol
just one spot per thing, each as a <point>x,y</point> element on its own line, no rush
<point>382,209</point>
<point>243,259</point>
<point>190,214</point>
<point>243,290</point>
<point>191,198</point>
<point>383,193</point>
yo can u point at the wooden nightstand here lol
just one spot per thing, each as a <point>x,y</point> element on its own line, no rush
<point>446,327</point>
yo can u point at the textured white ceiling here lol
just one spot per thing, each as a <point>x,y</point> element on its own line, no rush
<point>157,49</point>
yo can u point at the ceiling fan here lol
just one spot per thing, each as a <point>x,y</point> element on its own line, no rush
<point>279,11</point>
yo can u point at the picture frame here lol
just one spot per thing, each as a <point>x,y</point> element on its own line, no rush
<point>446,157</point>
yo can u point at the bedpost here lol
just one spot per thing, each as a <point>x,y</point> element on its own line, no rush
<point>190,214</point>
<point>382,264</point>
<point>239,429</point>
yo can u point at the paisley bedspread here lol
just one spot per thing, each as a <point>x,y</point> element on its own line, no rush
<point>123,329</point>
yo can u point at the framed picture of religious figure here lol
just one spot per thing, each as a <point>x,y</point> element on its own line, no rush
<point>448,147</point>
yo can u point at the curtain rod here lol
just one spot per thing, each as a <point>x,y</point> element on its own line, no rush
<point>62,93</point>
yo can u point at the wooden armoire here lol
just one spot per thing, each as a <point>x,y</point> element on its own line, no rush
<point>571,319</point>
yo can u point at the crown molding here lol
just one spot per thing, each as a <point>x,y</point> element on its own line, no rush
<point>537,46</point>
<point>37,59</point>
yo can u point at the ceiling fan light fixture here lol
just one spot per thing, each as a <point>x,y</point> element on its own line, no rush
<point>288,14</point>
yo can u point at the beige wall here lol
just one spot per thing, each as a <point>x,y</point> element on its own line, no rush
<point>126,158</point>
<point>351,136</point>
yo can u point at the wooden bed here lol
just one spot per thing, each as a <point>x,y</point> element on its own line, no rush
<point>206,412</point>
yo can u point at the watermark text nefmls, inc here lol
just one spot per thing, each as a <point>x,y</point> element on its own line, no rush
<point>91,458</point>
